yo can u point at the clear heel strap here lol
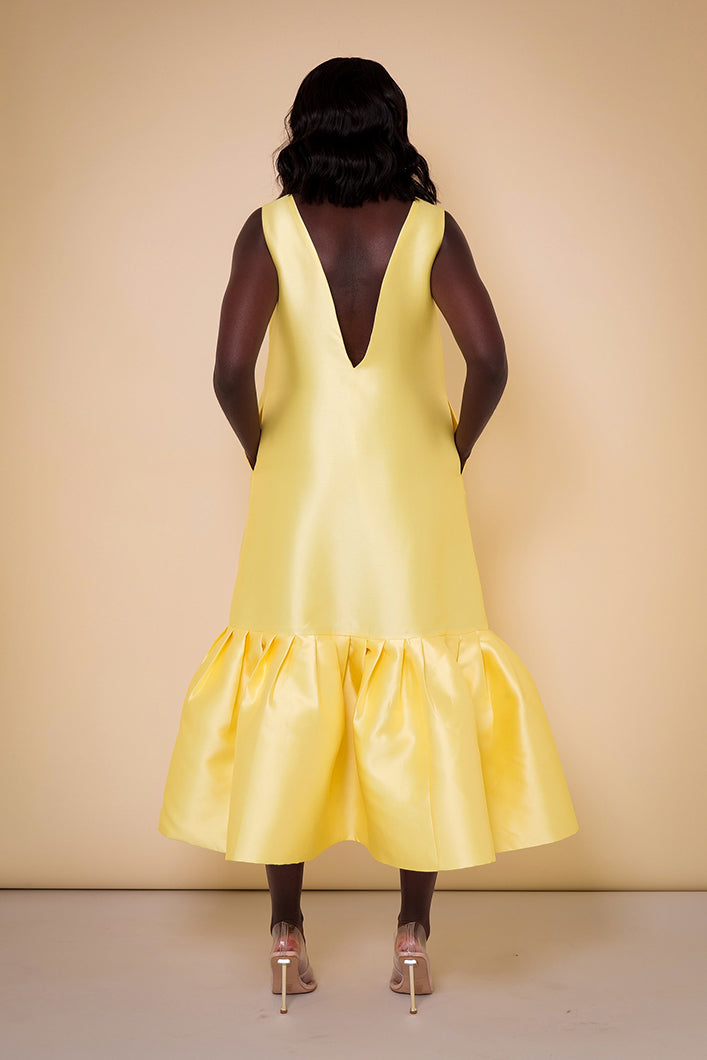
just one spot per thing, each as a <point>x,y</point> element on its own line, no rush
<point>287,938</point>
<point>410,938</point>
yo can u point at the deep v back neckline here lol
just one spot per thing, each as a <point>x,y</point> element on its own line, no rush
<point>327,285</point>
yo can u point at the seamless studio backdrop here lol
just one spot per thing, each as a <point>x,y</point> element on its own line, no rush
<point>567,141</point>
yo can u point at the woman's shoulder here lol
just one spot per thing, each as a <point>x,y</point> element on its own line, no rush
<point>454,242</point>
<point>252,229</point>
<point>251,244</point>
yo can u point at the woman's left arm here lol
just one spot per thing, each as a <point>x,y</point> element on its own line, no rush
<point>248,303</point>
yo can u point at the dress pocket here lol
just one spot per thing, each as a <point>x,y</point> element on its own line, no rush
<point>455,421</point>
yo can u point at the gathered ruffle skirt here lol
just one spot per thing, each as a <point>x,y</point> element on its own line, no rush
<point>434,752</point>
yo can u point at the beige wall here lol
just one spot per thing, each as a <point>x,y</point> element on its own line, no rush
<point>566,139</point>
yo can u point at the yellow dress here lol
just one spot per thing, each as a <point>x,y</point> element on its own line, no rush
<point>356,692</point>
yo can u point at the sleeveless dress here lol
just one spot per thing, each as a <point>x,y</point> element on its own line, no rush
<point>356,692</point>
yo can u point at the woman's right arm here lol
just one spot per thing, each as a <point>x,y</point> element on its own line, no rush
<point>465,304</point>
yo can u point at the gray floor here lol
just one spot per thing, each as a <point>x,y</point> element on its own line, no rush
<point>517,974</point>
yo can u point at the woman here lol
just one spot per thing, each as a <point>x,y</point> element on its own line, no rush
<point>356,691</point>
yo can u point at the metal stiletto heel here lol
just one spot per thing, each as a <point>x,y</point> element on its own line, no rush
<point>410,956</point>
<point>291,970</point>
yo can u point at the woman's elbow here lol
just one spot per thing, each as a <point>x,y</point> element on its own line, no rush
<point>492,363</point>
<point>226,380</point>
<point>499,366</point>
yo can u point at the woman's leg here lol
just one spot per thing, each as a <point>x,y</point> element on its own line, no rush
<point>285,883</point>
<point>416,890</point>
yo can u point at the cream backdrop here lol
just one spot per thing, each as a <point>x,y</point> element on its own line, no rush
<point>568,141</point>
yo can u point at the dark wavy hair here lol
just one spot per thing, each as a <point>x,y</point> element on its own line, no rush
<point>347,138</point>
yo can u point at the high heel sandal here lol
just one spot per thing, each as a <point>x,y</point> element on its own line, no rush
<point>410,956</point>
<point>291,970</point>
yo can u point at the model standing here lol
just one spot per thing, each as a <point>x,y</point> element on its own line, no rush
<point>356,692</point>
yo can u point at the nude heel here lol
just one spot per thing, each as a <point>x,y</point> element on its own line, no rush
<point>410,955</point>
<point>291,970</point>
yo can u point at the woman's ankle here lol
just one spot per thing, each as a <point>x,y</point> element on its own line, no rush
<point>298,921</point>
<point>407,919</point>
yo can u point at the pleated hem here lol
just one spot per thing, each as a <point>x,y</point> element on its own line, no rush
<point>310,855</point>
<point>433,752</point>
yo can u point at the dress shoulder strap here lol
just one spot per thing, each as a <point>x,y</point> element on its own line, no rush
<point>280,227</point>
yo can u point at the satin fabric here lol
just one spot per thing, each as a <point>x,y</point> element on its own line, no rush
<point>356,692</point>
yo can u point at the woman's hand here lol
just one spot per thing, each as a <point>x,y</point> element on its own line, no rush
<point>462,459</point>
<point>253,458</point>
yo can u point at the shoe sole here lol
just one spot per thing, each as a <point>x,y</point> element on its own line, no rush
<point>294,983</point>
<point>422,978</point>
